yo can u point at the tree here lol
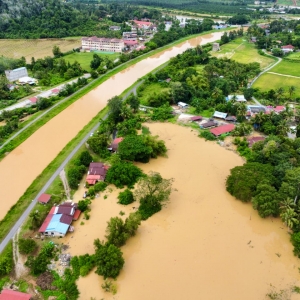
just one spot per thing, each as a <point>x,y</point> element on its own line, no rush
<point>108,259</point>
<point>266,201</point>
<point>96,61</point>
<point>56,51</point>
<point>277,52</point>
<point>295,239</point>
<point>291,90</point>
<point>85,158</point>
<point>115,108</point>
<point>242,130</point>
<point>290,186</point>
<point>83,205</point>
<point>289,217</point>
<point>35,219</point>
<point>158,146</point>
<point>115,232</point>
<point>152,191</point>
<point>126,197</point>
<point>134,148</point>
<point>123,173</point>
<point>74,176</point>
<point>134,102</point>
<point>132,223</point>
<point>98,144</point>
<point>282,128</point>
<point>241,111</point>
<point>27,246</point>
<point>243,180</point>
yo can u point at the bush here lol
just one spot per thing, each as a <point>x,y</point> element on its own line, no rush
<point>295,239</point>
<point>207,135</point>
<point>147,209</point>
<point>27,246</point>
<point>126,197</point>
<point>123,173</point>
<point>83,205</point>
<point>100,186</point>
<point>74,175</point>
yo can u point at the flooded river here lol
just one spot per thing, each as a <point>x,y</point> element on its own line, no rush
<point>203,245</point>
<point>26,162</point>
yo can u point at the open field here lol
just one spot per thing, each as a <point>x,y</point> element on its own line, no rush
<point>154,88</point>
<point>244,52</point>
<point>288,68</point>
<point>36,48</point>
<point>269,81</point>
<point>84,58</point>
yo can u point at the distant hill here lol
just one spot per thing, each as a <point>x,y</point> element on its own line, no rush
<point>44,18</point>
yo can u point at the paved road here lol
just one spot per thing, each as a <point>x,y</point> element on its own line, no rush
<point>261,73</point>
<point>26,213</point>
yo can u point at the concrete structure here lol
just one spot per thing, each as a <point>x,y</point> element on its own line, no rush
<point>27,80</point>
<point>14,295</point>
<point>102,44</point>
<point>238,98</point>
<point>16,74</point>
<point>215,47</point>
<point>129,36</point>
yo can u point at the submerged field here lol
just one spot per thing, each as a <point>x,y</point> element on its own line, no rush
<point>203,245</point>
<point>36,48</point>
<point>243,51</point>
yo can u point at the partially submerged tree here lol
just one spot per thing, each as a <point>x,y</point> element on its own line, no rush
<point>152,191</point>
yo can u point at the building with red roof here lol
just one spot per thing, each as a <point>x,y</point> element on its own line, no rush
<point>196,118</point>
<point>279,109</point>
<point>222,129</point>
<point>102,44</point>
<point>115,144</point>
<point>97,172</point>
<point>33,99</point>
<point>44,198</point>
<point>14,295</point>
<point>55,91</point>
<point>131,43</point>
<point>254,139</point>
<point>287,48</point>
<point>92,179</point>
<point>143,24</point>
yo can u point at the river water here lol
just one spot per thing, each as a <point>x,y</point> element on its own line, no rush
<point>20,167</point>
<point>203,245</point>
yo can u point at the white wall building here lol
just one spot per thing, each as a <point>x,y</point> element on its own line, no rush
<point>102,44</point>
<point>16,74</point>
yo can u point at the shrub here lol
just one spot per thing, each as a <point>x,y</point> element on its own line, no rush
<point>27,246</point>
<point>295,239</point>
<point>207,135</point>
<point>123,173</point>
<point>100,186</point>
<point>126,197</point>
<point>83,205</point>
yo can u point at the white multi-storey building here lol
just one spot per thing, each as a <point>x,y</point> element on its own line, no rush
<point>102,44</point>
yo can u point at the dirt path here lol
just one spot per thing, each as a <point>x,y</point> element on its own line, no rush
<point>285,75</point>
<point>20,269</point>
<point>64,180</point>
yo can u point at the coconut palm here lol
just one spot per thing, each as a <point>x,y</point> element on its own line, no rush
<point>286,204</point>
<point>259,118</point>
<point>279,94</point>
<point>241,110</point>
<point>35,219</point>
<point>282,128</point>
<point>291,91</point>
<point>289,217</point>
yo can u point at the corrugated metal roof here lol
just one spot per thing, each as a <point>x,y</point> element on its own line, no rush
<point>222,129</point>
<point>76,214</point>
<point>14,295</point>
<point>221,115</point>
<point>44,198</point>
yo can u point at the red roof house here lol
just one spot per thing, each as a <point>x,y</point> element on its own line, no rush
<point>130,43</point>
<point>222,129</point>
<point>76,214</point>
<point>115,144</point>
<point>279,109</point>
<point>33,99</point>
<point>55,91</point>
<point>291,47</point>
<point>13,295</point>
<point>97,168</point>
<point>254,139</point>
<point>93,179</point>
<point>44,198</point>
<point>196,118</point>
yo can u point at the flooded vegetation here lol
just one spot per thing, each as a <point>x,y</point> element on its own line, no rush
<point>203,244</point>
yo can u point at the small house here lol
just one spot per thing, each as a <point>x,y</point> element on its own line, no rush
<point>115,143</point>
<point>16,74</point>
<point>44,198</point>
<point>182,105</point>
<point>238,98</point>
<point>196,118</point>
<point>220,115</point>
<point>287,48</point>
<point>230,119</point>
<point>208,124</point>
<point>223,129</point>
<point>14,295</point>
<point>254,139</point>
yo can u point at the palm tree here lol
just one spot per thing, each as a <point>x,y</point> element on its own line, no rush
<point>289,217</point>
<point>279,93</point>
<point>259,118</point>
<point>282,128</point>
<point>241,110</point>
<point>292,90</point>
<point>35,219</point>
<point>287,203</point>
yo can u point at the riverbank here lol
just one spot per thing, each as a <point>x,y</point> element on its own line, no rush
<point>36,153</point>
<point>203,245</point>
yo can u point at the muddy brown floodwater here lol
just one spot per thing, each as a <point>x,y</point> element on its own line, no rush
<point>26,162</point>
<point>203,245</point>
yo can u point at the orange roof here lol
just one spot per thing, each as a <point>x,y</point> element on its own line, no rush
<point>76,214</point>
<point>44,198</point>
<point>222,129</point>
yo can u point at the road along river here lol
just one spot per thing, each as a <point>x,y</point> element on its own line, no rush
<point>20,167</point>
<point>203,245</point>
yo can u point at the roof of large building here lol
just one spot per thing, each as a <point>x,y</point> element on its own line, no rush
<point>221,115</point>
<point>96,39</point>
<point>209,124</point>
<point>14,295</point>
<point>97,168</point>
<point>222,129</point>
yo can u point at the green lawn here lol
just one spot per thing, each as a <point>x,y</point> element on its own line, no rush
<point>288,68</point>
<point>243,52</point>
<point>271,81</point>
<point>84,58</point>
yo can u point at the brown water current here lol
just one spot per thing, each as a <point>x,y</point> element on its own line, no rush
<point>203,245</point>
<point>20,167</point>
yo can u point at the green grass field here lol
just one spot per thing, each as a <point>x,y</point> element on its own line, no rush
<point>243,51</point>
<point>272,81</point>
<point>150,90</point>
<point>288,68</point>
<point>84,58</point>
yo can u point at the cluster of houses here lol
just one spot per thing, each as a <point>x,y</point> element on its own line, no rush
<point>130,39</point>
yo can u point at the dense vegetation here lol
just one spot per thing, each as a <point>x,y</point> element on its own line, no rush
<point>57,19</point>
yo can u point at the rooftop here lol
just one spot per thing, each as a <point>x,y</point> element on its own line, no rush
<point>222,129</point>
<point>13,295</point>
<point>44,198</point>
